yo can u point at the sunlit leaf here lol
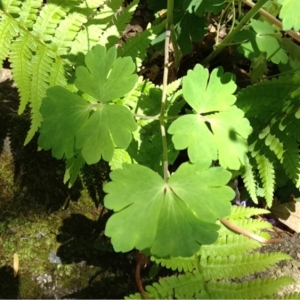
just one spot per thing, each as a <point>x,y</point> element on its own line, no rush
<point>290,14</point>
<point>169,218</point>
<point>105,77</point>
<point>225,137</point>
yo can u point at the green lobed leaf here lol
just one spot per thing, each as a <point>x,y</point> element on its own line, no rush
<point>62,120</point>
<point>226,138</point>
<point>96,129</point>
<point>170,218</point>
<point>290,14</point>
<point>105,77</point>
<point>263,39</point>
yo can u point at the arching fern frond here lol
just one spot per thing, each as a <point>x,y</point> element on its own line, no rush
<point>271,107</point>
<point>229,258</point>
<point>191,286</point>
<point>254,289</point>
<point>266,172</point>
<point>8,30</point>
<point>238,266</point>
<point>124,17</point>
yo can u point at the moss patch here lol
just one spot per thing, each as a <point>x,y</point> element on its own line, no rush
<point>29,229</point>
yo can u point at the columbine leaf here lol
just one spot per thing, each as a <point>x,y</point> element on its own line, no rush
<point>228,128</point>
<point>231,130</point>
<point>170,218</point>
<point>205,97</point>
<point>97,129</point>
<point>106,78</point>
<point>290,14</point>
<point>107,127</point>
<point>64,113</point>
<point>191,132</point>
<point>261,40</point>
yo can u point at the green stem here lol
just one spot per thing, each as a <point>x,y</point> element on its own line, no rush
<point>164,91</point>
<point>220,47</point>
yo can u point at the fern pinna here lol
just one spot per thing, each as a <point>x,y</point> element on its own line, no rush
<point>217,270</point>
<point>44,42</point>
<point>273,110</point>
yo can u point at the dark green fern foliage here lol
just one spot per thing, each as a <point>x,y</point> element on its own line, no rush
<point>273,110</point>
<point>217,270</point>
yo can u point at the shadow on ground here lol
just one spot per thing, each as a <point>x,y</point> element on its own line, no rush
<point>9,285</point>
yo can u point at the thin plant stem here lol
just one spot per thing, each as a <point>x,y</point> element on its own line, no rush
<point>272,19</point>
<point>220,22</point>
<point>220,47</point>
<point>164,91</point>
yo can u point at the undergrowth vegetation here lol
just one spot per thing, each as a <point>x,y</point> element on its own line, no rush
<point>89,102</point>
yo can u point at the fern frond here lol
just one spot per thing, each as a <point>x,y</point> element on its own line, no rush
<point>136,47</point>
<point>186,264</point>
<point>174,86</point>
<point>267,175</point>
<point>50,16</point>
<point>123,18</point>
<point>20,59</point>
<point>252,225</point>
<point>11,6</point>
<point>238,266</point>
<point>8,30</point>
<point>39,84</point>
<point>236,244</point>
<point>256,288</point>
<point>29,13</point>
<point>190,285</point>
<point>67,31</point>
<point>250,182</point>
<point>291,160</point>
<point>271,107</point>
<point>57,74</point>
<point>239,212</point>
<point>275,145</point>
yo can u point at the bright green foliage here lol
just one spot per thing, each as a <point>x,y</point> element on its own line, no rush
<point>190,286</point>
<point>88,114</point>
<point>272,108</point>
<point>43,43</point>
<point>161,215</point>
<point>207,273</point>
<point>94,129</point>
<point>212,103</point>
<point>290,14</point>
<point>105,78</point>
